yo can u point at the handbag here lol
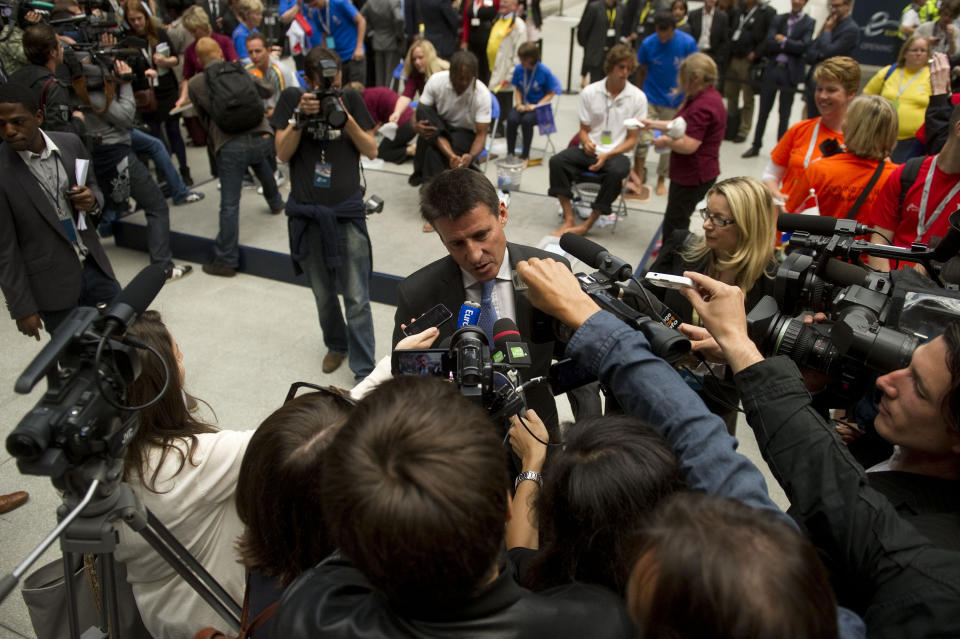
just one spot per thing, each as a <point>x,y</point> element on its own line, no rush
<point>45,594</point>
<point>146,100</point>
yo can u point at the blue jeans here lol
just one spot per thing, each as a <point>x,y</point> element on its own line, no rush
<point>144,143</point>
<point>233,158</point>
<point>352,280</point>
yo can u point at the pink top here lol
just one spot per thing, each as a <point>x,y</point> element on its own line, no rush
<point>191,64</point>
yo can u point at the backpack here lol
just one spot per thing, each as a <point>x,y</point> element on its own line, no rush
<point>235,104</point>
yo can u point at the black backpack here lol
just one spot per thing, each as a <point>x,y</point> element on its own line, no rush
<point>235,104</point>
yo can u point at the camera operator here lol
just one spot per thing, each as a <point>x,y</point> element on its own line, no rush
<point>44,52</point>
<point>882,565</point>
<point>11,42</point>
<point>117,167</point>
<point>328,229</point>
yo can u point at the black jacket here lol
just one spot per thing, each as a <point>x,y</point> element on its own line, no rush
<point>882,567</point>
<point>719,34</point>
<point>592,31</point>
<point>754,30</point>
<point>796,44</point>
<point>335,601</point>
<point>843,40</point>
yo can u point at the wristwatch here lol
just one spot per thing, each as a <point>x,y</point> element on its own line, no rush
<point>526,475</point>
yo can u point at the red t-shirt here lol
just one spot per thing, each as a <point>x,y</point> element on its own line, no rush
<point>838,181</point>
<point>381,102</point>
<point>414,83</point>
<point>792,148</point>
<point>903,222</point>
<point>706,121</point>
<point>191,64</point>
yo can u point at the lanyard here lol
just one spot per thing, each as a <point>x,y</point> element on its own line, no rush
<point>325,24</point>
<point>743,21</point>
<point>611,16</point>
<point>54,197</point>
<point>923,224</point>
<point>527,83</point>
<point>813,143</point>
<point>901,86</point>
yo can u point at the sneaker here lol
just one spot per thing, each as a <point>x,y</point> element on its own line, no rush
<point>178,271</point>
<point>219,269</point>
<point>192,196</point>
<point>332,361</point>
<point>280,178</point>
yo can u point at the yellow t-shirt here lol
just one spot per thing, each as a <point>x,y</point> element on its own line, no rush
<point>497,33</point>
<point>910,93</point>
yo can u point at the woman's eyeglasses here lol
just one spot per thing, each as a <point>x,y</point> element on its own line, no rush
<point>715,219</point>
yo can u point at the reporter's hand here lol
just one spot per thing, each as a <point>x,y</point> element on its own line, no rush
<point>30,326</point>
<point>531,452</point>
<point>419,340</point>
<point>151,73</point>
<point>82,198</point>
<point>309,104</point>
<point>721,308</point>
<point>122,68</point>
<point>701,341</point>
<point>555,291</point>
<point>939,74</point>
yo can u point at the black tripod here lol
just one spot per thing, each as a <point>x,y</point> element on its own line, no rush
<point>94,497</point>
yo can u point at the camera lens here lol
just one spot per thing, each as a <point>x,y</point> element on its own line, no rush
<point>32,435</point>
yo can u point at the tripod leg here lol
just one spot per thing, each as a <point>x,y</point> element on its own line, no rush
<point>68,568</point>
<point>110,602</point>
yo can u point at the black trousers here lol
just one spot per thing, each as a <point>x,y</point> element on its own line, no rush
<point>395,150</point>
<point>429,161</point>
<point>681,201</point>
<point>568,165</point>
<point>776,78</point>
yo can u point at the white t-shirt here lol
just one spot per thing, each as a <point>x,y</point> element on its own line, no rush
<point>466,110</point>
<point>197,505</point>
<point>601,112</point>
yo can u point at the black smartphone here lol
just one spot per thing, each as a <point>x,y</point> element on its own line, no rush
<point>427,361</point>
<point>436,316</point>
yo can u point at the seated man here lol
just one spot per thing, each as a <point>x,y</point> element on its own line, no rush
<point>606,142</point>
<point>882,565</point>
<point>469,219</point>
<point>452,119</point>
<point>415,494</point>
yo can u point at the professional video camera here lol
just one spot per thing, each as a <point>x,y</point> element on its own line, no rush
<point>328,122</point>
<point>875,320</point>
<point>78,434</point>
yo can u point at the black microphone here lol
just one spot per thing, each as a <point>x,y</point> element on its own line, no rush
<point>819,225</point>
<point>845,273</point>
<point>594,255</point>
<point>949,246</point>
<point>508,345</point>
<point>650,305</point>
<point>135,298</point>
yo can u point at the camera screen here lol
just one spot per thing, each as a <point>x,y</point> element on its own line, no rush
<point>422,362</point>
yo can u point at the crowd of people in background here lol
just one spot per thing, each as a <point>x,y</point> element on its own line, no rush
<point>604,534</point>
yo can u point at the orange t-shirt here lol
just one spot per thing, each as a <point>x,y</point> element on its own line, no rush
<point>838,181</point>
<point>792,148</point>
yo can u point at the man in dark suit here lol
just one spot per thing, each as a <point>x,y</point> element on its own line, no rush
<point>464,209</point>
<point>785,45</point>
<point>748,25</point>
<point>840,36</point>
<point>433,20</point>
<point>715,39</point>
<point>596,33</point>
<point>51,260</point>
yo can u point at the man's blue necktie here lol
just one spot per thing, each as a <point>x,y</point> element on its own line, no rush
<point>488,314</point>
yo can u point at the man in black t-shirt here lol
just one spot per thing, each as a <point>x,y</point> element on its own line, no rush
<point>328,231</point>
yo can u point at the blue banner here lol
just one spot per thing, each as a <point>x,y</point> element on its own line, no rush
<point>879,21</point>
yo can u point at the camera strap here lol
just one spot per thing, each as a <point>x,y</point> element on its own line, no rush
<point>852,213</point>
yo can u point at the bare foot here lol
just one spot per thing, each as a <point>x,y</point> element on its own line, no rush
<point>661,187</point>
<point>580,230</point>
<point>642,193</point>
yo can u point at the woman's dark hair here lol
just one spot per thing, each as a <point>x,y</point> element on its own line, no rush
<point>278,493</point>
<point>714,567</point>
<point>167,424</point>
<point>598,491</point>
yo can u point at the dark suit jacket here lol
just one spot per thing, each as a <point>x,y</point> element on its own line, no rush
<point>843,40</point>
<point>719,34</point>
<point>442,283</point>
<point>795,46</point>
<point>440,22</point>
<point>754,30</point>
<point>592,32</point>
<point>39,269</point>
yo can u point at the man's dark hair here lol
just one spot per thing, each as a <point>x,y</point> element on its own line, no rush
<point>951,400</point>
<point>529,52</point>
<point>39,40</point>
<point>256,36</point>
<point>415,493</point>
<point>598,491</point>
<point>663,20</point>
<point>464,61</point>
<point>13,93</point>
<point>713,567</point>
<point>619,53</point>
<point>278,492</point>
<point>313,63</point>
<point>456,192</point>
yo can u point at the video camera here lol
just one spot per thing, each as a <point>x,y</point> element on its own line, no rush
<point>82,415</point>
<point>328,122</point>
<point>875,320</point>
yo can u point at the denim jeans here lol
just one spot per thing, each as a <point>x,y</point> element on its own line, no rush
<point>233,158</point>
<point>352,280</point>
<point>148,196</point>
<point>97,288</point>
<point>144,143</point>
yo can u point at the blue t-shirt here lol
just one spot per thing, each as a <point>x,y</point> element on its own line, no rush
<point>336,20</point>
<point>662,61</point>
<point>240,41</point>
<point>534,86</point>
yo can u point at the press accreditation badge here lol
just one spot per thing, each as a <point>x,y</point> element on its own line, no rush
<point>611,33</point>
<point>606,137</point>
<point>321,175</point>
<point>474,22</point>
<point>330,42</point>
